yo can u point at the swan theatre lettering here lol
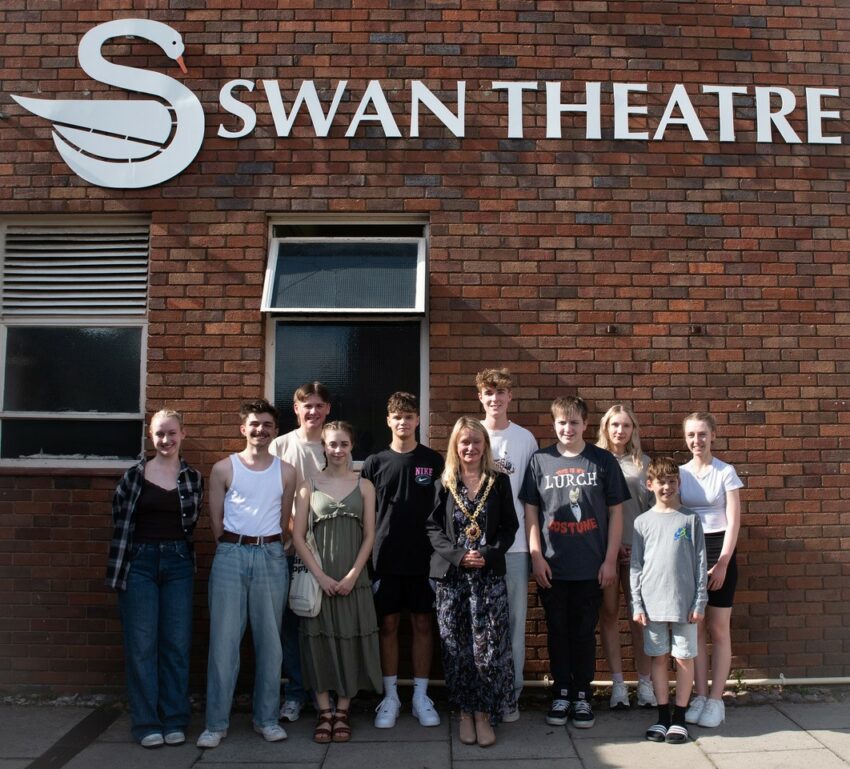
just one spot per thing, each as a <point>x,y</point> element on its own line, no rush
<point>136,143</point>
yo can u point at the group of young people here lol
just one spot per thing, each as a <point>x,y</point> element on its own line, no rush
<point>413,531</point>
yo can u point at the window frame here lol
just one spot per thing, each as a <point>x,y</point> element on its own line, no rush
<point>420,276</point>
<point>74,318</point>
<point>277,315</point>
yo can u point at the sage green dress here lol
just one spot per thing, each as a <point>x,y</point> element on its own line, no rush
<point>339,647</point>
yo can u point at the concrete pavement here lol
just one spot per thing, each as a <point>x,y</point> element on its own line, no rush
<point>770,736</point>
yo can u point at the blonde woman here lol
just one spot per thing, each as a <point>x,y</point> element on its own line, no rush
<point>710,488</point>
<point>473,524</point>
<point>151,565</point>
<point>619,433</point>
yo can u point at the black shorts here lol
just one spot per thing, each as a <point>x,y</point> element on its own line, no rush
<point>725,597</point>
<point>394,593</point>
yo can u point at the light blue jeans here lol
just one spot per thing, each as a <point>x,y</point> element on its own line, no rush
<point>516,577</point>
<point>247,582</point>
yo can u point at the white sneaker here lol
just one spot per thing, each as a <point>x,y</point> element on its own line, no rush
<point>291,710</point>
<point>423,709</point>
<point>273,733</point>
<point>175,738</point>
<point>646,695</point>
<point>713,714</point>
<point>152,740</point>
<point>509,716</point>
<point>619,696</point>
<point>210,739</point>
<point>387,712</point>
<point>695,710</point>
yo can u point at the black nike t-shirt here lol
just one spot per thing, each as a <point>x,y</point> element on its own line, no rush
<point>404,485</point>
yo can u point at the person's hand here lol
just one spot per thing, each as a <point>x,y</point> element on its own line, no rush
<point>327,584</point>
<point>346,584</point>
<point>625,555</point>
<point>607,574</point>
<point>695,618</point>
<point>541,570</point>
<point>641,619</point>
<point>472,559</point>
<point>717,576</point>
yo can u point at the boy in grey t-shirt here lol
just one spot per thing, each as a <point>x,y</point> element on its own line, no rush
<point>668,580</point>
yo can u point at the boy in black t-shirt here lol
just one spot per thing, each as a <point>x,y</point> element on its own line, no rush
<point>573,494</point>
<point>404,476</point>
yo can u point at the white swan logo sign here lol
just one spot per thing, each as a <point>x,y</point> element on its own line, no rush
<point>135,143</point>
<point>126,144</point>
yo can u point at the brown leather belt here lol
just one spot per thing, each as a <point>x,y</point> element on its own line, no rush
<point>242,539</point>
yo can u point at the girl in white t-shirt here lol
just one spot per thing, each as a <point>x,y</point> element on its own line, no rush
<point>710,488</point>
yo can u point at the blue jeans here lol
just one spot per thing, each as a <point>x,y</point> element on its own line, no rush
<point>292,650</point>
<point>247,582</point>
<point>516,577</point>
<point>156,616</point>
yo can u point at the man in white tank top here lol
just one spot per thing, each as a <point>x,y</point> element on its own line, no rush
<point>250,503</point>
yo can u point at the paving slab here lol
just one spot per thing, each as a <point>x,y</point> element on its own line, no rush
<point>533,763</point>
<point>528,738</point>
<point>108,755</point>
<point>837,740</point>
<point>616,724</point>
<point>627,754</point>
<point>751,730</point>
<point>779,759</point>
<point>244,746</point>
<point>27,732</point>
<point>14,763</point>
<point>407,728</point>
<point>388,755</point>
<point>818,715</point>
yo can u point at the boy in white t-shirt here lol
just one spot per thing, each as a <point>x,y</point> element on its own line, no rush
<point>512,448</point>
<point>302,448</point>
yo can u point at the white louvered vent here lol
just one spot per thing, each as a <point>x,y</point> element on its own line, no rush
<point>75,270</point>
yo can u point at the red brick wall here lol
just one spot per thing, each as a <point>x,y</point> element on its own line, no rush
<point>537,246</point>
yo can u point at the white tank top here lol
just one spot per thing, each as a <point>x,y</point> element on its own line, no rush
<point>252,503</point>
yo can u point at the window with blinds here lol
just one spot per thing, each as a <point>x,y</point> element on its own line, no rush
<point>73,302</point>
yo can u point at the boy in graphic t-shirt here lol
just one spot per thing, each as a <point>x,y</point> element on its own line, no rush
<point>573,493</point>
<point>404,476</point>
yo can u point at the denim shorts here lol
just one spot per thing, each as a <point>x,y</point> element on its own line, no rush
<point>657,639</point>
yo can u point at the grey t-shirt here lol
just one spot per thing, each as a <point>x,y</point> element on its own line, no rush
<point>573,495</point>
<point>668,569</point>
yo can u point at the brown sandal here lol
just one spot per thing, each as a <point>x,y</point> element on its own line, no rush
<point>323,732</point>
<point>341,727</point>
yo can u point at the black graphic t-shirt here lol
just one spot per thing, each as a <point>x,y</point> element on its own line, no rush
<point>573,495</point>
<point>404,484</point>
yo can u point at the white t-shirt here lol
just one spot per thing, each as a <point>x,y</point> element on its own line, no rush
<point>512,451</point>
<point>307,457</point>
<point>705,493</point>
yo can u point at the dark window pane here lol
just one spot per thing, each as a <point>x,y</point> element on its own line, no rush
<point>80,438</point>
<point>72,369</point>
<point>338,275</point>
<point>362,364</point>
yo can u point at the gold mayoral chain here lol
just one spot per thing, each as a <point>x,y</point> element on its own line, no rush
<point>473,530</point>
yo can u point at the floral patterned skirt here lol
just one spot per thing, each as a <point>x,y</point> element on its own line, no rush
<point>472,614</point>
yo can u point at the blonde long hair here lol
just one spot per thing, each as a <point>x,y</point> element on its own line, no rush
<point>633,448</point>
<point>452,468</point>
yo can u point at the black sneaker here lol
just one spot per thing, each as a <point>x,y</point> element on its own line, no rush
<point>559,713</point>
<point>582,714</point>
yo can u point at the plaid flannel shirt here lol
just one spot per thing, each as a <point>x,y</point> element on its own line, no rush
<point>190,486</point>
